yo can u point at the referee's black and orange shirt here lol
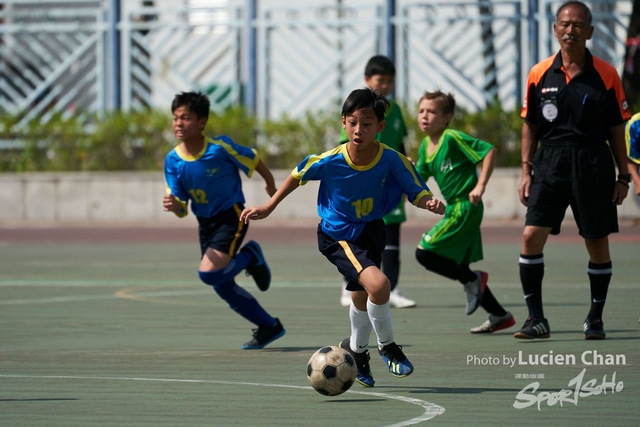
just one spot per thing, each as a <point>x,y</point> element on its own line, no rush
<point>582,109</point>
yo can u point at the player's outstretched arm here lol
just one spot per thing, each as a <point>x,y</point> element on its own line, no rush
<point>488,164</point>
<point>261,212</point>
<point>265,173</point>
<point>432,205</point>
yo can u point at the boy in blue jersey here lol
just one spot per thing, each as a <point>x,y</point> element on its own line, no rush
<point>379,75</point>
<point>361,182</point>
<point>205,171</point>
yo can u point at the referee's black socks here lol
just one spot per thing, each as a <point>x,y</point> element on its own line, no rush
<point>599,279</point>
<point>531,274</point>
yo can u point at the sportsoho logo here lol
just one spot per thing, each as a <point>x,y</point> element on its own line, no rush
<point>577,388</point>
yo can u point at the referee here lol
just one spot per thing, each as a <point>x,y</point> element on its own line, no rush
<point>574,104</point>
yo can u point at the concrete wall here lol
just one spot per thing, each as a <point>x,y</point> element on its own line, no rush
<point>135,197</point>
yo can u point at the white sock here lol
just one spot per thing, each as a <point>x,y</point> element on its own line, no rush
<point>360,329</point>
<point>380,317</point>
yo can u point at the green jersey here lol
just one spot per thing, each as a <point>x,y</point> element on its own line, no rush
<point>453,163</point>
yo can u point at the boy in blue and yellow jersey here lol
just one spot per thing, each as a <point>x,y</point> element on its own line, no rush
<point>450,157</point>
<point>360,182</point>
<point>379,75</point>
<point>205,171</point>
<point>632,137</point>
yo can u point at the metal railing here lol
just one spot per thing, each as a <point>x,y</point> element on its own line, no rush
<point>55,56</point>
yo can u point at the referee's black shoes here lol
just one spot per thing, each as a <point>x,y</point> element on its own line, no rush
<point>534,328</point>
<point>593,329</point>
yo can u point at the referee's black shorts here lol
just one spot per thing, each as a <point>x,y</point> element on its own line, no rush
<point>578,175</point>
<point>351,257</point>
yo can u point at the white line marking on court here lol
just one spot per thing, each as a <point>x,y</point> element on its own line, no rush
<point>54,299</point>
<point>318,282</point>
<point>431,410</point>
<point>100,297</point>
<point>82,283</point>
<point>302,283</point>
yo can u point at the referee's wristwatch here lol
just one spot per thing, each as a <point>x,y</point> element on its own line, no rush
<point>624,177</point>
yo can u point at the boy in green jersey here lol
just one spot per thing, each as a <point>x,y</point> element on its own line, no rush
<point>450,157</point>
<point>379,75</point>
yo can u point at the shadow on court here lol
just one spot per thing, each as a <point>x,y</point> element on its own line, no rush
<point>112,327</point>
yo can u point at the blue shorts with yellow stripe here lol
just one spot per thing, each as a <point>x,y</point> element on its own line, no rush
<point>457,235</point>
<point>224,232</point>
<point>351,257</point>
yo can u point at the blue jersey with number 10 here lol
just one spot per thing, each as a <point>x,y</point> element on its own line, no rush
<point>350,195</point>
<point>210,179</point>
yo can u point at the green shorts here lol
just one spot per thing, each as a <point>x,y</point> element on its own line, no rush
<point>457,235</point>
<point>397,215</point>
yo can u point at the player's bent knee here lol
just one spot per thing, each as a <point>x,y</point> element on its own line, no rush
<point>373,280</point>
<point>213,278</point>
<point>379,291</point>
<point>425,258</point>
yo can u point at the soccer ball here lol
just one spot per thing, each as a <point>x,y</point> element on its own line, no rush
<point>331,370</point>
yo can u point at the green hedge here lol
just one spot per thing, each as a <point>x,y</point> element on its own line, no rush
<point>139,141</point>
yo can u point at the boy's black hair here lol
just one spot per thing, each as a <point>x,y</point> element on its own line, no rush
<point>365,99</point>
<point>194,101</point>
<point>379,65</point>
<point>584,7</point>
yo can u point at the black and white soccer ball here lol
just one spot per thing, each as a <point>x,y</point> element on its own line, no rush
<point>331,370</point>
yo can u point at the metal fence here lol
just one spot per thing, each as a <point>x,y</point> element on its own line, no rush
<point>167,50</point>
<point>477,53</point>
<point>59,56</point>
<point>52,59</point>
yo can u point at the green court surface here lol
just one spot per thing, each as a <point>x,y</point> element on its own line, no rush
<point>112,327</point>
